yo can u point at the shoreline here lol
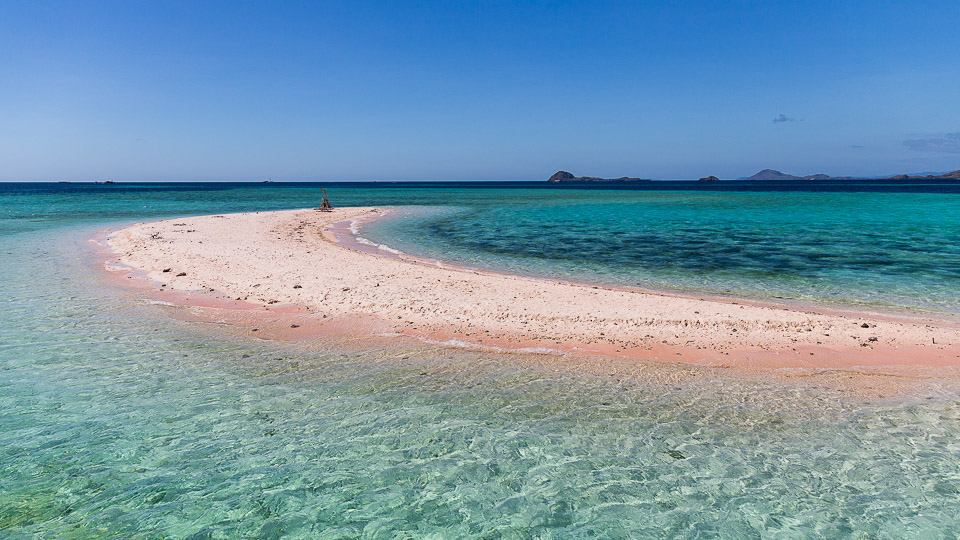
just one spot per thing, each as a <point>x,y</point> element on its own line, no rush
<point>347,234</point>
<point>543,315</point>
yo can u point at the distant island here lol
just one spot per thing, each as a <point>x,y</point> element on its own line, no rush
<point>955,175</point>
<point>770,174</point>
<point>766,174</point>
<point>564,176</point>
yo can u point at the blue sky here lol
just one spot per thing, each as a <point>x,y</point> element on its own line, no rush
<point>475,90</point>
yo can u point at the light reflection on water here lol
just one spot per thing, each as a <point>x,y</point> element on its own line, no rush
<point>115,420</point>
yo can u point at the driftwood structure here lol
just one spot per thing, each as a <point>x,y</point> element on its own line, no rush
<point>325,204</point>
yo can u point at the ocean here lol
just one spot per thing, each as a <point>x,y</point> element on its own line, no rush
<point>117,419</point>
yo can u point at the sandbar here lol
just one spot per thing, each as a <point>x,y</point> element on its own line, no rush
<point>308,266</point>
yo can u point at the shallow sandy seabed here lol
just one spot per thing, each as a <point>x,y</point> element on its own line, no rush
<point>300,274</point>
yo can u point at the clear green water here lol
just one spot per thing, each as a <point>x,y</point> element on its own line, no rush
<point>119,421</point>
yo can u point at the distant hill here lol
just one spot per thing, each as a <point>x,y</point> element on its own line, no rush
<point>955,175</point>
<point>766,174</point>
<point>770,174</point>
<point>564,176</point>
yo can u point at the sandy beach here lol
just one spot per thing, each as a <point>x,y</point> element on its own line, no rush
<point>305,268</point>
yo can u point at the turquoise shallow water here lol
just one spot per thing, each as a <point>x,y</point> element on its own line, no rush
<point>117,421</point>
<point>868,250</point>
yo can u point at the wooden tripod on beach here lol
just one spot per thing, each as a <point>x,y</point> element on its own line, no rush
<point>325,204</point>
